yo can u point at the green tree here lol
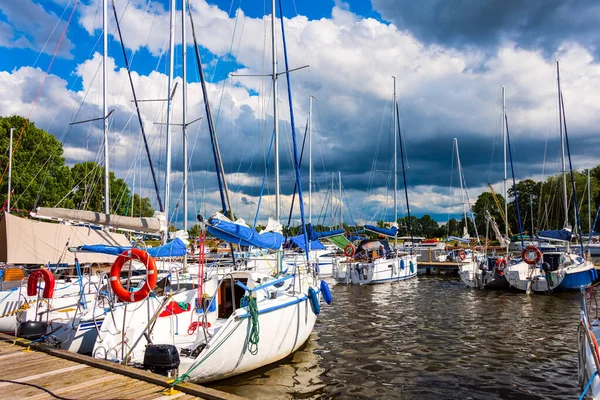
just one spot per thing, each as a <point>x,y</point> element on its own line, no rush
<point>485,202</point>
<point>429,227</point>
<point>142,206</point>
<point>39,174</point>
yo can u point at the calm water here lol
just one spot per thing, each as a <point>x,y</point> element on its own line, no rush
<point>429,338</point>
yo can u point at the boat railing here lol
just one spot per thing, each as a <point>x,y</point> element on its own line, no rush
<point>588,336</point>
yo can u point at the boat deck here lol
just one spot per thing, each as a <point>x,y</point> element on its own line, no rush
<point>77,376</point>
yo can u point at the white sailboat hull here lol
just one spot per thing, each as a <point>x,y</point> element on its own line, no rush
<point>378,271</point>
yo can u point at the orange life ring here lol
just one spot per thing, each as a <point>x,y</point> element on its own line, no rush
<point>462,255</point>
<point>115,275</point>
<point>349,250</point>
<point>500,265</point>
<point>528,249</point>
<point>49,283</point>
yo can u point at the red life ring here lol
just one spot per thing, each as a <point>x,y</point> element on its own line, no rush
<point>49,283</point>
<point>115,275</point>
<point>349,250</point>
<point>527,250</point>
<point>462,255</point>
<point>500,265</point>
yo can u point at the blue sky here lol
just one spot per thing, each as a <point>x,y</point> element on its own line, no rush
<point>450,60</point>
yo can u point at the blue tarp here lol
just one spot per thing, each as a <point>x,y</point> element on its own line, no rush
<point>562,234</point>
<point>174,248</point>
<point>354,238</point>
<point>244,235</point>
<point>382,231</point>
<point>314,235</point>
<point>314,245</point>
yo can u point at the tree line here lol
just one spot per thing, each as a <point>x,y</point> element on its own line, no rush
<point>41,178</point>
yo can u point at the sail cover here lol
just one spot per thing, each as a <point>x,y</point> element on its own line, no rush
<point>314,235</point>
<point>299,242</point>
<point>135,224</point>
<point>26,241</point>
<point>175,248</point>
<point>562,234</point>
<point>239,233</point>
<point>393,231</point>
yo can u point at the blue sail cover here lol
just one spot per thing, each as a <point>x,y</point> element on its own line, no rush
<point>382,231</point>
<point>314,235</point>
<point>314,245</point>
<point>243,235</point>
<point>562,234</point>
<point>354,238</point>
<point>175,248</point>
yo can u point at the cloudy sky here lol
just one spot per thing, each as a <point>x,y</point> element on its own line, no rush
<point>450,59</point>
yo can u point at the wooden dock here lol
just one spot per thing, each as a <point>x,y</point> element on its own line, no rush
<point>437,266</point>
<point>77,376</point>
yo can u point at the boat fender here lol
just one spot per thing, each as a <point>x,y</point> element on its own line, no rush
<point>326,292</point>
<point>412,267</point>
<point>115,275</point>
<point>314,301</point>
<point>402,266</point>
<point>48,279</point>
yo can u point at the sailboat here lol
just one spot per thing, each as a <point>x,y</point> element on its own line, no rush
<point>226,325</point>
<point>555,270</point>
<point>469,260</point>
<point>375,261</point>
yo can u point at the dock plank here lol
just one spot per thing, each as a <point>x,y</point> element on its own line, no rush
<point>74,389</point>
<point>74,375</point>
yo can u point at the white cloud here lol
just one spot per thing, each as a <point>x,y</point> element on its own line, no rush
<point>442,91</point>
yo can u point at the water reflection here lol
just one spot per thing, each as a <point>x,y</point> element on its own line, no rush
<point>429,338</point>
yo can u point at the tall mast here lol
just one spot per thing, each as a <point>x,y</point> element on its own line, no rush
<point>505,174</point>
<point>275,125</point>
<point>462,193</point>
<point>104,105</point>
<point>341,202</point>
<point>562,148</point>
<point>275,114</point>
<point>589,204</point>
<point>310,98</point>
<point>331,204</point>
<point>170,82</point>
<point>531,212</point>
<point>10,150</point>
<point>184,126</point>
<point>395,163</point>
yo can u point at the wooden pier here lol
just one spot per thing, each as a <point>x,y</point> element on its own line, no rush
<point>73,375</point>
<point>437,266</point>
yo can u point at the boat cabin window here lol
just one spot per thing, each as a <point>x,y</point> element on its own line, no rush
<point>226,292</point>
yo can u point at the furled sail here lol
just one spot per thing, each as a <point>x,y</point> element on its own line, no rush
<point>298,241</point>
<point>562,234</point>
<point>239,233</point>
<point>314,235</point>
<point>504,241</point>
<point>154,224</point>
<point>175,248</point>
<point>392,232</point>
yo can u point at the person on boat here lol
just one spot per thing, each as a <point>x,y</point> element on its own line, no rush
<point>382,252</point>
